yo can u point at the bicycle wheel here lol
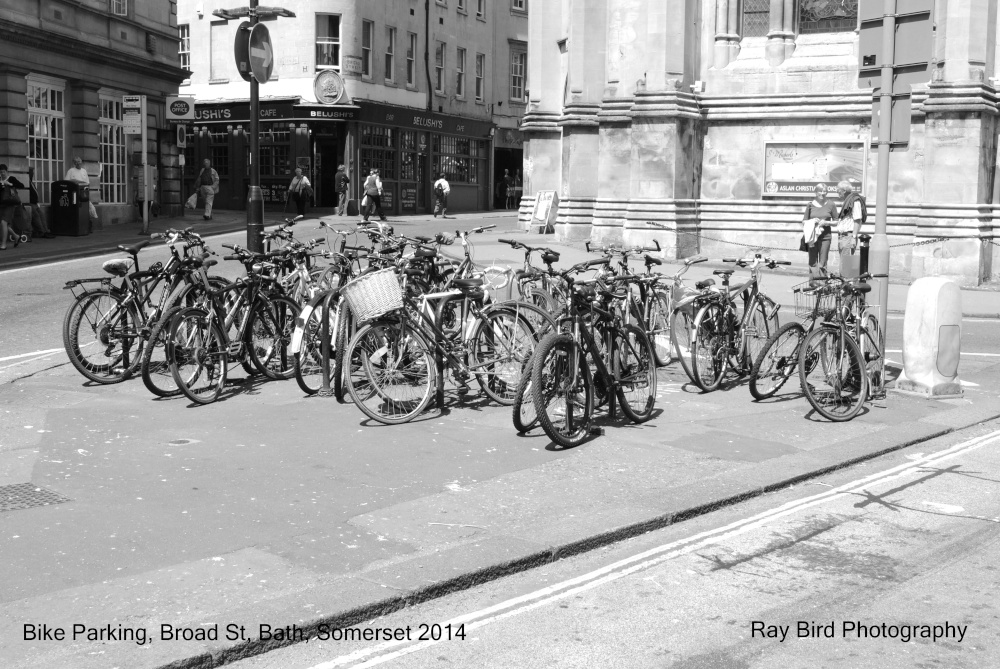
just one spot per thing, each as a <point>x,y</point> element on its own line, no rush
<point>309,358</point>
<point>395,378</point>
<point>777,361</point>
<point>681,322</point>
<point>501,344</point>
<point>196,349</point>
<point>756,333</point>
<point>566,402</point>
<point>709,349</point>
<point>832,373</point>
<point>872,344</point>
<point>658,326</point>
<point>155,366</point>
<point>636,365</point>
<point>343,368</point>
<point>269,334</point>
<point>103,340</point>
<point>524,415</point>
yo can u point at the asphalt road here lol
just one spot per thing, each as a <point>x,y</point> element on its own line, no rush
<point>858,569</point>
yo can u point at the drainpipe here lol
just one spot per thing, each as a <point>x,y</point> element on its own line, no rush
<point>427,54</point>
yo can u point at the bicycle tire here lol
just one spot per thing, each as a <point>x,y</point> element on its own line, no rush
<point>835,383</point>
<point>342,369</point>
<point>636,364</point>
<point>269,334</point>
<point>115,328</point>
<point>523,412</point>
<point>709,357</point>
<point>756,334</point>
<point>658,326</point>
<point>502,342</point>
<point>681,322</point>
<point>872,344</point>
<point>552,369</point>
<point>308,359</point>
<point>199,360</point>
<point>396,378</point>
<point>777,361</point>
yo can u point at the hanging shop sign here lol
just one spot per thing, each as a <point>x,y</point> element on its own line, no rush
<point>328,87</point>
<point>180,109</point>
<point>793,169</point>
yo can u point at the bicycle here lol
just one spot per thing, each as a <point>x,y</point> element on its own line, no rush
<point>722,337</point>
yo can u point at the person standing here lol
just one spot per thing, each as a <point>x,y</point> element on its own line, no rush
<point>340,181</point>
<point>299,191</point>
<point>822,212</point>
<point>79,176</point>
<point>441,190</point>
<point>207,185</point>
<point>853,214</point>
<point>373,191</point>
<point>10,202</point>
<point>508,182</point>
<point>38,224</point>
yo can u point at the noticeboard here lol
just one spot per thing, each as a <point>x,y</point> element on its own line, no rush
<point>793,169</point>
<point>543,213</point>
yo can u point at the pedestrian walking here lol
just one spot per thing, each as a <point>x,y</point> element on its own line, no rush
<point>853,214</point>
<point>81,178</point>
<point>206,184</point>
<point>508,182</point>
<point>340,181</point>
<point>821,212</point>
<point>38,225</point>
<point>373,195</point>
<point>10,204</point>
<point>441,190</point>
<point>300,191</point>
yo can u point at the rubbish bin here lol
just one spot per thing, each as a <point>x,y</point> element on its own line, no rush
<point>70,213</point>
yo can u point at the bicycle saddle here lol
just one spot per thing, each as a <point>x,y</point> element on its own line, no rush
<point>702,285</point>
<point>467,284</point>
<point>117,266</point>
<point>858,288</point>
<point>650,260</point>
<point>425,253</point>
<point>423,238</point>
<point>133,249</point>
<point>724,272</point>
<point>523,273</point>
<point>550,257</point>
<point>412,271</point>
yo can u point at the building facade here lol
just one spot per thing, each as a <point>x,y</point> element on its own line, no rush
<point>65,68</point>
<point>718,117</point>
<point>412,88</point>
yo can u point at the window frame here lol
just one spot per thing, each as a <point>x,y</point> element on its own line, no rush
<point>480,76</point>
<point>367,60</point>
<point>390,54</point>
<point>47,149</point>
<point>118,7</point>
<point>411,60</point>
<point>327,41</point>
<point>460,58</point>
<point>518,57</point>
<point>113,147</point>
<point>460,6</point>
<point>481,9</point>
<point>767,20</point>
<point>520,6</point>
<point>439,65</point>
<point>184,47</point>
<point>851,27</point>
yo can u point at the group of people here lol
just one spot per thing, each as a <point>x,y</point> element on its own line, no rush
<point>11,206</point>
<point>823,217</point>
<point>507,190</point>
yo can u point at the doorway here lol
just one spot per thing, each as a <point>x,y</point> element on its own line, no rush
<point>327,153</point>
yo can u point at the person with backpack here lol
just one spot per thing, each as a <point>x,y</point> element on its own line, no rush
<point>853,214</point>
<point>373,195</point>
<point>441,190</point>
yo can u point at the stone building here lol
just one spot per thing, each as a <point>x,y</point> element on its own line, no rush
<point>409,87</point>
<point>65,66</point>
<point>717,118</point>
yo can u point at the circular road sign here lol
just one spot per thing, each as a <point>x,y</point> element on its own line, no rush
<point>242,50</point>
<point>261,56</point>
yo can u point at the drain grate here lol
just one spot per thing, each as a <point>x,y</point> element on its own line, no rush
<point>27,496</point>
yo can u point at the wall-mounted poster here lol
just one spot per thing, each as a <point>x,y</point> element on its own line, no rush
<point>792,169</point>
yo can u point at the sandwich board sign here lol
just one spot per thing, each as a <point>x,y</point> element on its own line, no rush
<point>543,213</point>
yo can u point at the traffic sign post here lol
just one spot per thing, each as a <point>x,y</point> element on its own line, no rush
<point>894,48</point>
<point>134,123</point>
<point>255,62</point>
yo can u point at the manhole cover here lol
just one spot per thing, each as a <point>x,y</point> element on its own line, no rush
<point>26,496</point>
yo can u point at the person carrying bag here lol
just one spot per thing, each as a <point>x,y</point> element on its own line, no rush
<point>300,192</point>
<point>373,196</point>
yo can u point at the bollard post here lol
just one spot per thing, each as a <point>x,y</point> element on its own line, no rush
<point>864,243</point>
<point>932,339</point>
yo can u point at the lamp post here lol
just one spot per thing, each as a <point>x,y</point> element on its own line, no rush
<point>254,60</point>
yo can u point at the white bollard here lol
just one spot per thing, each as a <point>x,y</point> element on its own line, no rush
<point>932,339</point>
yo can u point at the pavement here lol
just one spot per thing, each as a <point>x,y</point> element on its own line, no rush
<point>271,509</point>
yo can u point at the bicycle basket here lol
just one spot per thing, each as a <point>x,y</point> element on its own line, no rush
<point>372,295</point>
<point>813,301</point>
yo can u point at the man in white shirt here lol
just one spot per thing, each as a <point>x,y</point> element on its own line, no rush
<point>441,190</point>
<point>79,176</point>
<point>853,213</point>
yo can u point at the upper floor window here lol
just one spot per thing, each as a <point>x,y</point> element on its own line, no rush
<point>480,73</point>
<point>327,42</point>
<point>756,18</point>
<point>439,68</point>
<point>518,69</point>
<point>519,5</point>
<point>480,8</point>
<point>184,47</point>
<point>119,7</point>
<point>461,6</point>
<point>411,60</point>
<point>460,72</point>
<point>827,16</point>
<point>390,54</point>
<point>367,38</point>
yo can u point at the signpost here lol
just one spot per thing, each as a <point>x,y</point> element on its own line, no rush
<point>134,123</point>
<point>260,57</point>
<point>894,49</point>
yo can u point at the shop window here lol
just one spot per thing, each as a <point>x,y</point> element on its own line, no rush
<point>827,16</point>
<point>367,39</point>
<point>114,168</point>
<point>378,151</point>
<point>46,133</point>
<point>756,17</point>
<point>328,42</point>
<point>460,158</point>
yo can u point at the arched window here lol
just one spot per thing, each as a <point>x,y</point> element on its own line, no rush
<point>827,16</point>
<point>756,18</point>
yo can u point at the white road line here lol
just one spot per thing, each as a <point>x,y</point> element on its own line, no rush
<point>27,355</point>
<point>28,360</point>
<point>975,355</point>
<point>651,557</point>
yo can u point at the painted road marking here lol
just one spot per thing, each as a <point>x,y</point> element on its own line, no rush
<point>652,557</point>
<point>26,355</point>
<point>977,355</point>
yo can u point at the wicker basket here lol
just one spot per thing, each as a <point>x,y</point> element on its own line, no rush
<point>372,295</point>
<point>812,301</point>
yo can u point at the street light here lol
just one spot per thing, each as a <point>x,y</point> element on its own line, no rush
<point>255,198</point>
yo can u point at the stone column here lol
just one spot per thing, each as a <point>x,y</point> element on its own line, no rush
<point>781,36</point>
<point>727,41</point>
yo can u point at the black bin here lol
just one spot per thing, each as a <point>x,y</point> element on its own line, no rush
<point>864,243</point>
<point>70,213</point>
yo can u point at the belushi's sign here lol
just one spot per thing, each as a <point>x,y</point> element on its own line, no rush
<point>419,119</point>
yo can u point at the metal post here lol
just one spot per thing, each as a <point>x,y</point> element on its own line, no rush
<point>145,169</point>
<point>255,198</point>
<point>879,252</point>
